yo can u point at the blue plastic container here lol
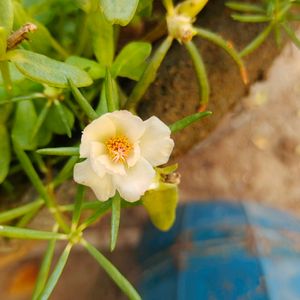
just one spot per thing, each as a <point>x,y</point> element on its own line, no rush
<point>223,251</point>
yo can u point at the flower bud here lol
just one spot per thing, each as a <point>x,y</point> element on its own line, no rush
<point>190,8</point>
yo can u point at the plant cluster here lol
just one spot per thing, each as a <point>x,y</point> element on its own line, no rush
<point>61,68</point>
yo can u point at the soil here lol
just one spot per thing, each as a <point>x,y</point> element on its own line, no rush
<point>253,155</point>
<point>175,92</point>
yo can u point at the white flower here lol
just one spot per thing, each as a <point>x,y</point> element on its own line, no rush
<point>121,150</point>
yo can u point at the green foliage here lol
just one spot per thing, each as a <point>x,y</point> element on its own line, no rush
<point>276,14</point>
<point>119,11</point>
<point>42,69</point>
<point>4,152</point>
<point>78,65</point>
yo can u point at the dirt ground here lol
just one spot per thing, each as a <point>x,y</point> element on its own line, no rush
<point>255,152</point>
<point>253,155</point>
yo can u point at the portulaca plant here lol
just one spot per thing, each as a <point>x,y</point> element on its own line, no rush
<point>66,115</point>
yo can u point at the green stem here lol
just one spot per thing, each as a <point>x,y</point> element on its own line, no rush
<point>110,92</point>
<point>219,41</point>
<point>22,98</point>
<point>104,207</point>
<point>63,117</point>
<point>38,184</point>
<point>112,271</point>
<point>65,172</point>
<point>6,77</point>
<point>115,220</point>
<point>41,118</point>
<point>200,72</point>
<point>149,74</point>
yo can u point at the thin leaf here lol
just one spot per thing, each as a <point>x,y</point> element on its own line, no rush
<point>115,220</point>
<point>38,184</point>
<point>103,207</point>
<point>40,119</point>
<point>55,274</point>
<point>291,34</point>
<point>251,18</point>
<point>44,270</point>
<point>22,98</point>
<point>185,122</point>
<point>61,151</point>
<point>30,171</point>
<point>59,121</point>
<point>82,102</point>
<point>253,45</point>
<point>78,206</point>
<point>111,92</point>
<point>113,272</point>
<point>63,117</point>
<point>149,74</point>
<point>43,69</point>
<point>244,7</point>
<point>130,61</point>
<point>119,11</point>
<point>4,152</point>
<point>30,234</point>
<point>66,171</point>
<point>19,211</point>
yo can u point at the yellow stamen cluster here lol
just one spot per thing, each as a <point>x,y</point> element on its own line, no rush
<point>119,148</point>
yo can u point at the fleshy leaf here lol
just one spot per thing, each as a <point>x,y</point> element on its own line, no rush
<point>102,38</point>
<point>94,69</point>
<point>43,69</point>
<point>119,11</point>
<point>54,122</point>
<point>6,15</point>
<point>4,153</point>
<point>24,124</point>
<point>130,62</point>
<point>161,205</point>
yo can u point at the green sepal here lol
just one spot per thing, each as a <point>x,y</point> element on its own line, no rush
<point>161,204</point>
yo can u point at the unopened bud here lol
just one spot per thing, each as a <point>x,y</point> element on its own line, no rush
<point>181,28</point>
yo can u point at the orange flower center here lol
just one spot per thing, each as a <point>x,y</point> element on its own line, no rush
<point>119,148</point>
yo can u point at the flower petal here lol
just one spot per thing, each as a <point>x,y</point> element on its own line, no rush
<point>96,150</point>
<point>134,156</point>
<point>156,144</point>
<point>137,180</point>
<point>128,124</point>
<point>103,187</point>
<point>98,131</point>
<point>110,166</point>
